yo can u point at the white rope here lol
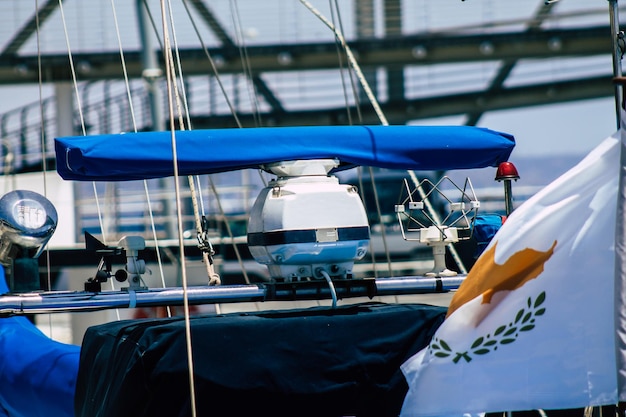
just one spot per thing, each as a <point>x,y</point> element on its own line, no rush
<point>234,114</point>
<point>169,77</point>
<point>80,108</point>
<point>213,277</point>
<point>82,124</point>
<point>134,122</point>
<point>43,147</point>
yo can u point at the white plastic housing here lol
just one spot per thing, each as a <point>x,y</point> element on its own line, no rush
<point>300,224</point>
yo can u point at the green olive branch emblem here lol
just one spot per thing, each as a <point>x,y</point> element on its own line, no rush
<point>503,335</point>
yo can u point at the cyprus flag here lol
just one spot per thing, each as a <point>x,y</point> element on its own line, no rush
<point>532,327</point>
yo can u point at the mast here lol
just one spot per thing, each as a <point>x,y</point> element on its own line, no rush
<point>620,223</point>
<point>618,44</point>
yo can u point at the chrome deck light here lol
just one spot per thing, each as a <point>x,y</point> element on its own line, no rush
<point>27,222</point>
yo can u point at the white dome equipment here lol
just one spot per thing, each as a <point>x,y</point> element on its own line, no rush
<point>305,224</point>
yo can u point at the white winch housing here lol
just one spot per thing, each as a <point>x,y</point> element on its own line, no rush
<point>304,222</point>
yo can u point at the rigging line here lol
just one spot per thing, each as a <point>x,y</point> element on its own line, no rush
<point>379,113</point>
<point>353,62</point>
<point>206,248</point>
<point>212,276</point>
<point>245,61</point>
<point>168,57</point>
<point>211,183</point>
<point>177,74</point>
<point>205,245</point>
<point>231,236</point>
<point>228,42</point>
<point>99,211</point>
<point>213,67</point>
<point>355,95</point>
<point>113,199</point>
<point>72,70</point>
<point>247,68</point>
<point>80,110</point>
<point>340,60</point>
<point>124,70</point>
<point>370,169</point>
<point>199,186</point>
<point>134,122</point>
<point>41,109</point>
<point>43,146</point>
<point>360,118</point>
<point>379,212</point>
<point>218,78</point>
<point>153,23</point>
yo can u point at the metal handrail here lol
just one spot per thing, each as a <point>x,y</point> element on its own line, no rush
<point>75,301</point>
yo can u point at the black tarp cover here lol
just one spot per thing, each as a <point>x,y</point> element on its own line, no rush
<point>317,361</point>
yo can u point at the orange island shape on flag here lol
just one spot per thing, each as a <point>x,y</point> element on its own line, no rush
<point>487,278</point>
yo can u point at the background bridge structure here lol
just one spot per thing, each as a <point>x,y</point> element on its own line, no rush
<point>281,66</point>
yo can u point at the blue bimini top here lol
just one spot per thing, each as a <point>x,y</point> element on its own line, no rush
<point>144,155</point>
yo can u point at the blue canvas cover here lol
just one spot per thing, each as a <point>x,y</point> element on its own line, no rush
<point>38,374</point>
<point>144,155</point>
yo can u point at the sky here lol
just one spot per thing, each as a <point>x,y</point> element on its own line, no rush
<point>570,128</point>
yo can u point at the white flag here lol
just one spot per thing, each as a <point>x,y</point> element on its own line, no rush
<point>532,326</point>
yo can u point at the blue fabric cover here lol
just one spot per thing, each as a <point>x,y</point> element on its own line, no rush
<point>37,374</point>
<point>485,228</point>
<point>134,156</point>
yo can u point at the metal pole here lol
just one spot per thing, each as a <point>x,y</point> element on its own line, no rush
<point>618,44</point>
<point>75,301</point>
<point>508,197</point>
<point>620,223</point>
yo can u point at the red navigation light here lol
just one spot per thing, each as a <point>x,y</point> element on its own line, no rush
<point>506,171</point>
